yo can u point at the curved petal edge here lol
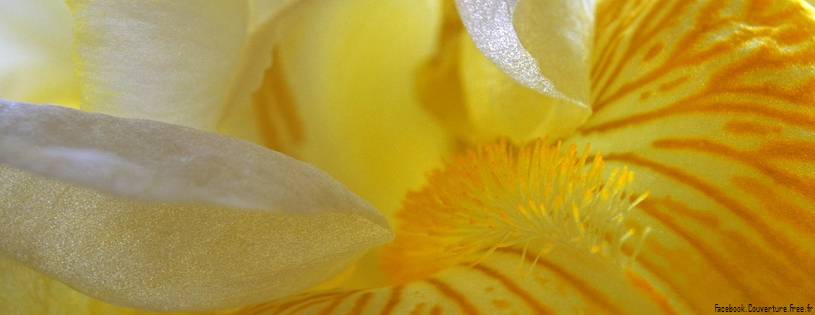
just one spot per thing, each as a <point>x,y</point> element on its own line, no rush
<point>161,217</point>
<point>557,68</point>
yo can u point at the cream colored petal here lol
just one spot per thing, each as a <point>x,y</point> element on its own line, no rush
<point>712,104</point>
<point>170,61</point>
<point>544,45</point>
<point>28,292</point>
<point>35,53</point>
<point>162,217</point>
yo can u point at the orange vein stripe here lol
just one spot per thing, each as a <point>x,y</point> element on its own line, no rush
<point>360,303</point>
<point>259,309</point>
<point>463,303</point>
<point>776,205</point>
<point>786,28</point>
<point>393,300</point>
<point>605,17</point>
<point>591,294</point>
<point>747,127</point>
<point>708,253</point>
<point>679,58</point>
<point>769,234</point>
<point>530,300</point>
<point>660,299</point>
<point>758,159</point>
<point>690,106</point>
<point>417,310</point>
<point>668,276</point>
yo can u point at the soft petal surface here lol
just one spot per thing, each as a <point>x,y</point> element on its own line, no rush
<point>162,217</point>
<point>171,61</point>
<point>712,104</point>
<point>35,53</point>
<point>543,44</point>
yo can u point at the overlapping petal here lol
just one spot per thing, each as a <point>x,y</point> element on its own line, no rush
<point>710,103</point>
<point>487,91</point>
<point>518,37</point>
<point>162,217</point>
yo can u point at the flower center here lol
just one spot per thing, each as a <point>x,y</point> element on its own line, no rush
<point>497,196</point>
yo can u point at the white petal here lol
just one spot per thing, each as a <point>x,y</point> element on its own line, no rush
<point>170,61</point>
<point>542,44</point>
<point>161,217</point>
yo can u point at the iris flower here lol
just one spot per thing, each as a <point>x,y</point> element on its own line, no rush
<point>683,180</point>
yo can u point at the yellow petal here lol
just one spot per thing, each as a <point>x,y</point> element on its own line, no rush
<point>160,217</point>
<point>35,53</point>
<point>239,117</point>
<point>571,283</point>
<point>712,104</point>
<point>165,61</point>
<point>349,84</point>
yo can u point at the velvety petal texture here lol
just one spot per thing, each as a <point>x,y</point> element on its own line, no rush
<point>162,217</point>
<point>170,61</point>
<point>543,44</point>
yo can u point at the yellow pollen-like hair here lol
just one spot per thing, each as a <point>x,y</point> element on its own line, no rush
<point>499,196</point>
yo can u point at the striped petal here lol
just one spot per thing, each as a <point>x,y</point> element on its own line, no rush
<point>170,61</point>
<point>711,103</point>
<point>572,283</point>
<point>161,217</point>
